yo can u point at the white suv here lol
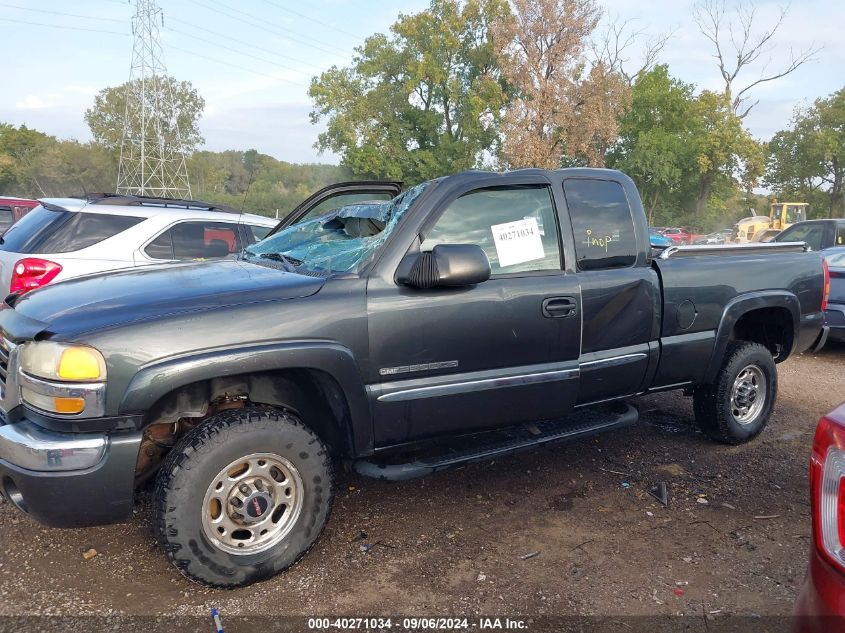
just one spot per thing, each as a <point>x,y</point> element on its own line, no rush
<point>69,237</point>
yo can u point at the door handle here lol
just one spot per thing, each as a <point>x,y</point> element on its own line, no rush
<point>559,307</point>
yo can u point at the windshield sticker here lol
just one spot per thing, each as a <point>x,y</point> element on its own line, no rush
<point>518,242</point>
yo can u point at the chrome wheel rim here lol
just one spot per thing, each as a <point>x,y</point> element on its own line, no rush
<point>748,395</point>
<point>252,504</point>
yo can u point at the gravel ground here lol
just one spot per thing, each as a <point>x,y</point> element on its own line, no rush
<point>733,538</point>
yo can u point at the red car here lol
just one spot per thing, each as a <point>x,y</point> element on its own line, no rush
<point>13,209</point>
<point>678,235</point>
<point>821,603</point>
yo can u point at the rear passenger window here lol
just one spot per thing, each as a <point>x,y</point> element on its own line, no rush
<point>515,226</point>
<point>81,230</point>
<point>840,235</point>
<point>195,240</point>
<point>602,224</point>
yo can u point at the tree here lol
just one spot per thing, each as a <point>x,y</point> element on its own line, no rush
<point>739,45</point>
<point>106,117</point>
<point>21,151</point>
<point>566,109</point>
<point>724,149</point>
<point>418,103</point>
<point>613,47</point>
<point>656,135</point>
<point>809,159</point>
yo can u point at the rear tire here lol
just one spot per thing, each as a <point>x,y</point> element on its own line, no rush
<point>243,496</point>
<point>736,407</point>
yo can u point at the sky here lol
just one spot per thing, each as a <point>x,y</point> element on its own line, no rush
<point>252,60</point>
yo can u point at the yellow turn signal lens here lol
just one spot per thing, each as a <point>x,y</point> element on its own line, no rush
<point>68,405</point>
<point>79,363</point>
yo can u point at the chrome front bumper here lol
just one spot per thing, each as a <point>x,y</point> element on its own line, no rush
<point>26,445</point>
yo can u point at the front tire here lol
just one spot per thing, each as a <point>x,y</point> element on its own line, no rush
<point>736,407</point>
<point>243,496</point>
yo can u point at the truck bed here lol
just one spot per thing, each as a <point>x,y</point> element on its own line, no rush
<point>703,285</point>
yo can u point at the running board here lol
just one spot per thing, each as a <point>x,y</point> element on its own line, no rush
<point>495,444</point>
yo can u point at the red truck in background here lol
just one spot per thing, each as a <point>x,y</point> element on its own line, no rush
<point>13,209</point>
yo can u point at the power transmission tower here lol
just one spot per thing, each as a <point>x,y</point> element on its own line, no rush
<point>152,157</point>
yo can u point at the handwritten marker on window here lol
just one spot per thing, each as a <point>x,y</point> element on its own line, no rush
<point>215,615</point>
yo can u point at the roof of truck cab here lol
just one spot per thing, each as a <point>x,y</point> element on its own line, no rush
<point>816,221</point>
<point>148,210</point>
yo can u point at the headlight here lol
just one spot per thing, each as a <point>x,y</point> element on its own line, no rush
<point>58,361</point>
<point>62,378</point>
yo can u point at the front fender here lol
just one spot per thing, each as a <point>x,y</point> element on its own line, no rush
<point>154,381</point>
<point>744,304</point>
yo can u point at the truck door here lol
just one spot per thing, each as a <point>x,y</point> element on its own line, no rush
<point>620,291</point>
<point>337,195</point>
<point>501,352</point>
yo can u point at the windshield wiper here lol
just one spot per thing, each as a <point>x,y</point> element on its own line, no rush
<point>290,262</point>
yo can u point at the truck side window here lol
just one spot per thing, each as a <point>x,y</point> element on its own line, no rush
<point>840,235</point>
<point>602,224</point>
<point>516,227</point>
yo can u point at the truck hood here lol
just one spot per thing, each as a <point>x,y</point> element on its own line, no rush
<point>106,300</point>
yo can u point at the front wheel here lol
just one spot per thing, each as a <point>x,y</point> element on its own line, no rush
<point>736,406</point>
<point>243,496</point>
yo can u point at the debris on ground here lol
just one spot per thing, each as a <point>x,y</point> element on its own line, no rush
<point>765,517</point>
<point>660,492</point>
<point>702,500</point>
<point>529,555</point>
<point>481,577</point>
<point>89,553</point>
<point>674,470</point>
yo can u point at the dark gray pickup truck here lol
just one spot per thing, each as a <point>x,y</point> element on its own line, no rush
<point>469,317</point>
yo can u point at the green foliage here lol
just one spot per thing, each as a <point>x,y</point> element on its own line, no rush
<point>35,165</point>
<point>807,162</point>
<point>105,118</point>
<point>256,182</point>
<point>693,161</point>
<point>20,151</point>
<point>725,150</point>
<point>420,103</point>
<point>655,143</point>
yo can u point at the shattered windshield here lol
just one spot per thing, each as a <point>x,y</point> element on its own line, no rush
<point>338,241</point>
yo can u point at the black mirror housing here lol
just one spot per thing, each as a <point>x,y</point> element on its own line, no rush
<point>446,266</point>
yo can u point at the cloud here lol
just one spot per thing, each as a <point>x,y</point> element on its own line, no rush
<point>32,102</point>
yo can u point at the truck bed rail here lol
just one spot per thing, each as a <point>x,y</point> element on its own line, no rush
<point>734,249</point>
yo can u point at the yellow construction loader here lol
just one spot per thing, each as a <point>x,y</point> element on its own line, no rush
<point>758,228</point>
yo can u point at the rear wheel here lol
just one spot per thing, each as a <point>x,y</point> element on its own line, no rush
<point>243,496</point>
<point>736,406</point>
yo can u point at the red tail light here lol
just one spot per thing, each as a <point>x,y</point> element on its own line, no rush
<point>826,290</point>
<point>827,486</point>
<point>31,273</point>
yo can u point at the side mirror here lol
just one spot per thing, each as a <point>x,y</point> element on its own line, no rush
<point>446,266</point>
